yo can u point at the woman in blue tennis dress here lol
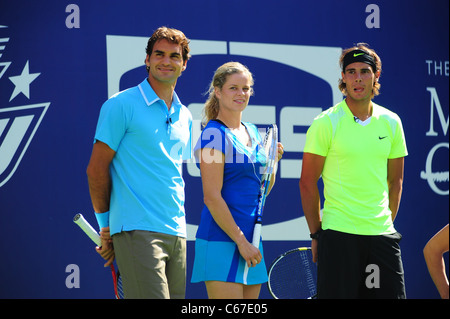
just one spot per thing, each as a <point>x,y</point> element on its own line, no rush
<point>231,160</point>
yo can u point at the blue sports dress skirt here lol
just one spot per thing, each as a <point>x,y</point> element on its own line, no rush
<point>217,257</point>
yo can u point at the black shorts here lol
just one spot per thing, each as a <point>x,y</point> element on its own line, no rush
<point>358,266</point>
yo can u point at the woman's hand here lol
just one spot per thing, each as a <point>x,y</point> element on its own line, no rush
<point>250,253</point>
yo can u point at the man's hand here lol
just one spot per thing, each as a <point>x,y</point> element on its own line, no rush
<point>107,249</point>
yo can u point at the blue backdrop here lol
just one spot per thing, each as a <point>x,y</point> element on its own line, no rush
<point>60,60</point>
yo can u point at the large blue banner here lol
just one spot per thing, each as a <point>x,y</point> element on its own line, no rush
<point>60,60</point>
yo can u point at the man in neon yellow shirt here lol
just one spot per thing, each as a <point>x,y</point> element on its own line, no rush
<point>358,148</point>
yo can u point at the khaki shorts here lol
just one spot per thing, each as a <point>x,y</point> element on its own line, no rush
<point>152,265</point>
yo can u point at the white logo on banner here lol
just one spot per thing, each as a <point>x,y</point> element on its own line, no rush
<point>18,124</point>
<point>436,178</point>
<point>124,53</point>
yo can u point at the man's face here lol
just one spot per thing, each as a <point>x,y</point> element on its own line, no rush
<point>165,62</point>
<point>359,79</point>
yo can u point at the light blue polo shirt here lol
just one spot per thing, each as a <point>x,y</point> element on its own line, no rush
<point>151,143</point>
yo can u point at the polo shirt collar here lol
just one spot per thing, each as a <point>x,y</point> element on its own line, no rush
<point>349,113</point>
<point>150,96</point>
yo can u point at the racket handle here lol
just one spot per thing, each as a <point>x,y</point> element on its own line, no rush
<point>255,242</point>
<point>87,228</point>
<point>256,235</point>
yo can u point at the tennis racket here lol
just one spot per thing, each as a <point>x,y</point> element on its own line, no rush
<point>93,235</point>
<point>293,275</point>
<point>270,147</point>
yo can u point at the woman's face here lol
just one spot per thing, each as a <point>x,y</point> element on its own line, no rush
<point>235,93</point>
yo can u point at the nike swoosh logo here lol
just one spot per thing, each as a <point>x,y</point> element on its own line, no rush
<point>381,137</point>
<point>357,54</point>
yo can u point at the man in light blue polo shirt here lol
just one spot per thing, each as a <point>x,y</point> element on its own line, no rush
<point>135,174</point>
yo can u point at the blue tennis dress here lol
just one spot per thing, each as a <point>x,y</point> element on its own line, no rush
<point>216,255</point>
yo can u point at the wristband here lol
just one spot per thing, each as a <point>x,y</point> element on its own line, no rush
<point>102,219</point>
<point>316,234</point>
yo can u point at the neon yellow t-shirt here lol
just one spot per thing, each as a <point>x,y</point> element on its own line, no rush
<point>355,170</point>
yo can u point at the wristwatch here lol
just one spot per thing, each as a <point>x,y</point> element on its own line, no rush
<point>316,234</point>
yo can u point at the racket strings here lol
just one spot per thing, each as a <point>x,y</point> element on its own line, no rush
<point>270,148</point>
<point>120,292</point>
<point>293,276</point>
<point>309,268</point>
<point>117,280</point>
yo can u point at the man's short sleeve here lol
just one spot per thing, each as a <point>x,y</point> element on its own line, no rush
<point>111,125</point>
<point>318,137</point>
<point>399,143</point>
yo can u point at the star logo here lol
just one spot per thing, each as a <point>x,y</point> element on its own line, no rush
<point>22,82</point>
<point>18,124</point>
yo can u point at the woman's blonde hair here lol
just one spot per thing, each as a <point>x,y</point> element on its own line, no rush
<point>211,108</point>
